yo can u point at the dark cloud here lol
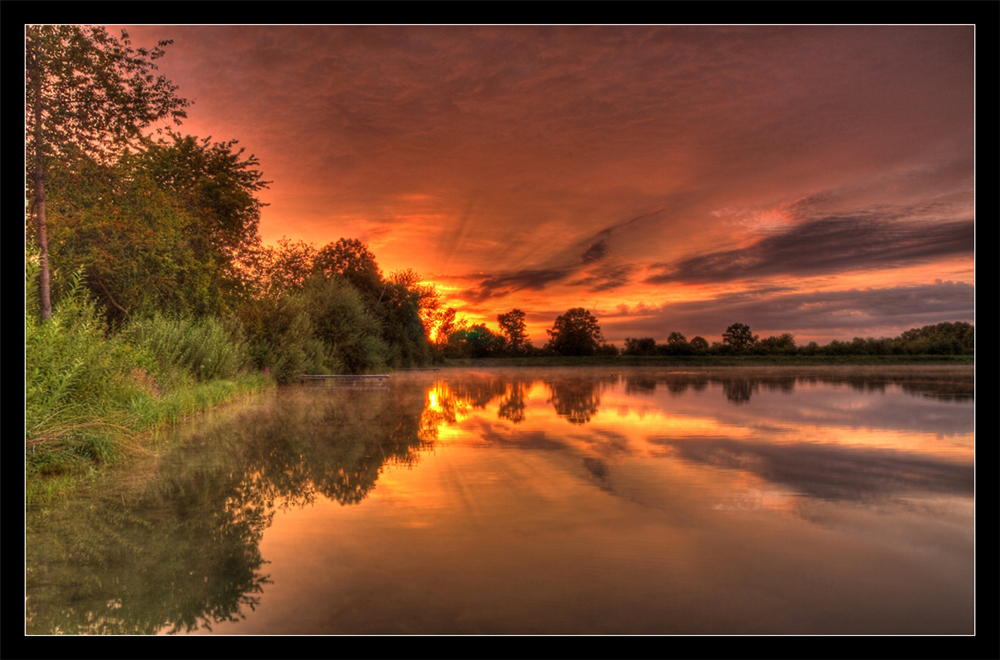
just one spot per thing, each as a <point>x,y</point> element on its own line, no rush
<point>606,277</point>
<point>828,245</point>
<point>505,283</point>
<point>828,314</point>
<point>595,252</point>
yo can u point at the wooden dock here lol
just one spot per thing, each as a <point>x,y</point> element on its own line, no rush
<point>344,379</point>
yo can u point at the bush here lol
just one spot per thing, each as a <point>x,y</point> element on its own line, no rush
<point>202,348</point>
<point>71,367</point>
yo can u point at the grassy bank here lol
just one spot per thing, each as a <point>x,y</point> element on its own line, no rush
<point>61,451</point>
<point>93,396</point>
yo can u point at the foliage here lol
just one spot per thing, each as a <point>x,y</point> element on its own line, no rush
<point>576,332</point>
<point>130,238</point>
<point>85,92</point>
<point>444,324</point>
<point>783,344</point>
<point>351,259</point>
<point>275,271</point>
<point>200,347</point>
<point>639,346</point>
<point>282,339</point>
<point>339,320</point>
<point>940,339</point>
<point>402,306</point>
<point>215,185</point>
<point>512,327</point>
<point>477,341</point>
<point>69,363</point>
<point>739,337</point>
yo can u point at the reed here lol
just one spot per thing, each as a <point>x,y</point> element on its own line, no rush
<point>91,395</point>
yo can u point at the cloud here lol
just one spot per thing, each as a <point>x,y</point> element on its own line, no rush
<point>606,277</point>
<point>827,314</point>
<point>504,283</point>
<point>595,252</point>
<point>827,245</point>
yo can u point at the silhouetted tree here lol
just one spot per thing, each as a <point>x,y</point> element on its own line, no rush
<point>699,343</point>
<point>643,346</point>
<point>739,337</point>
<point>352,259</point>
<point>782,344</point>
<point>512,326</point>
<point>676,338</point>
<point>575,333</point>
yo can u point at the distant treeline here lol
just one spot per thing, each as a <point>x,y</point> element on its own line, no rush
<point>578,333</point>
<point>939,339</point>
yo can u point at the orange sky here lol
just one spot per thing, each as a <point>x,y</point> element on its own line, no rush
<point>817,180</point>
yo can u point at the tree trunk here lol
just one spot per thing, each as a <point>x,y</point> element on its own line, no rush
<point>45,300</point>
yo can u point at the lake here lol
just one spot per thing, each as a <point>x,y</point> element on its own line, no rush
<point>535,501</point>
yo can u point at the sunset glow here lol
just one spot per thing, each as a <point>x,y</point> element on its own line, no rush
<point>817,180</point>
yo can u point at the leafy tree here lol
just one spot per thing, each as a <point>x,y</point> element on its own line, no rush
<point>399,308</point>
<point>278,270</point>
<point>85,91</point>
<point>676,338</point>
<point>576,332</point>
<point>130,238</point>
<point>512,326</point>
<point>214,181</point>
<point>782,344</point>
<point>477,341</point>
<point>444,324</point>
<point>643,346</point>
<point>351,259</point>
<point>739,337</point>
<point>351,334</point>
<point>699,343</point>
<point>940,339</point>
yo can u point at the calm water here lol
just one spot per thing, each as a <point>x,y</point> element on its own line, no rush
<point>534,501</point>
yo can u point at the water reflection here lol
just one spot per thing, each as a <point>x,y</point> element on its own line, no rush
<point>173,544</point>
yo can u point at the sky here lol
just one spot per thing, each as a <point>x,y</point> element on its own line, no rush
<point>817,180</point>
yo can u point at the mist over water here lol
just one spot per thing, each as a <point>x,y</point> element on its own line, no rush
<point>535,501</point>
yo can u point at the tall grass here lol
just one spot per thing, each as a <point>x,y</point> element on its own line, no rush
<point>201,348</point>
<point>90,394</point>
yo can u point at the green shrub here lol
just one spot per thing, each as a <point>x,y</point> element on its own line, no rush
<point>202,348</point>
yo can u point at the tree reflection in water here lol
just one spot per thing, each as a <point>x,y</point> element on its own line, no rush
<point>173,544</point>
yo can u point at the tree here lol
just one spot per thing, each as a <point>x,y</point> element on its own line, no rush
<point>739,337</point>
<point>640,346</point>
<point>676,338</point>
<point>277,270</point>
<point>699,343</point>
<point>477,341</point>
<point>575,333</point>
<point>443,324</point>
<point>512,326</point>
<point>85,92</point>
<point>352,259</point>
<point>783,344</point>
<point>217,185</point>
<point>128,235</point>
<point>398,309</point>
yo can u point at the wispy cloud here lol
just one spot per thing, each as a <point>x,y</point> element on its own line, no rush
<point>827,245</point>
